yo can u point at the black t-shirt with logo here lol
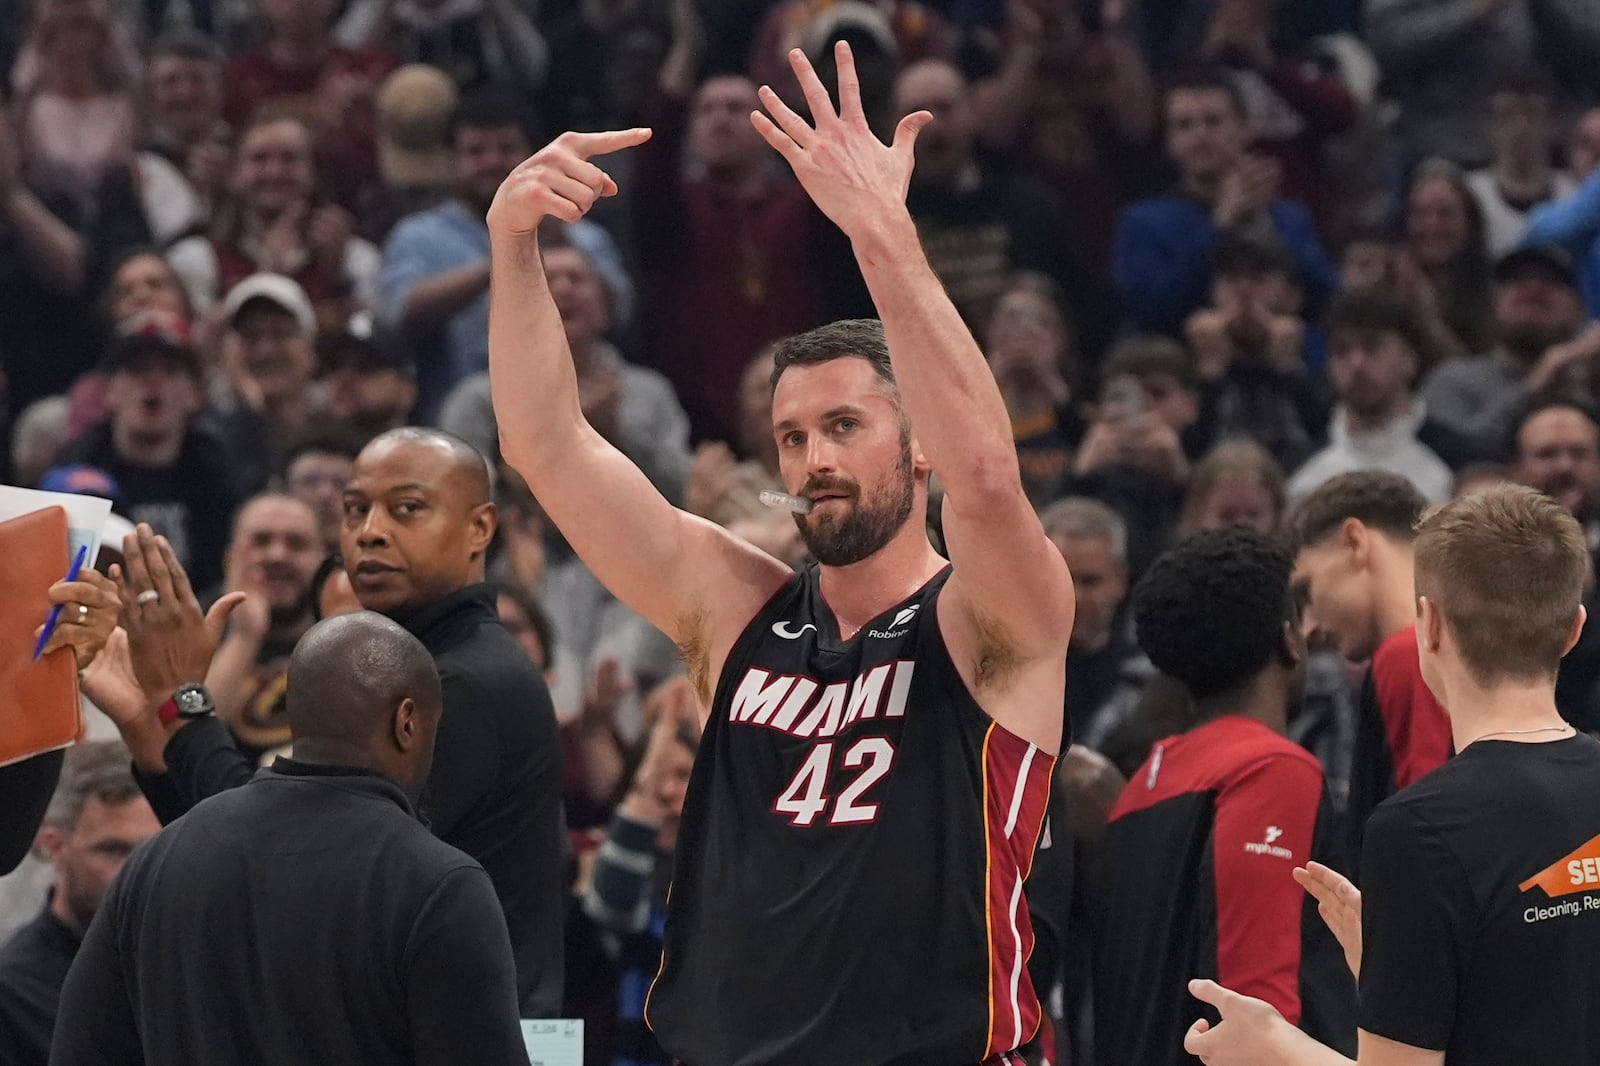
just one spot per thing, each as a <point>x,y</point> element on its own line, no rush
<point>1481,907</point>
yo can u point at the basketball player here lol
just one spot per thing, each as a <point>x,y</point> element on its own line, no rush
<point>874,772</point>
<point>1479,919</point>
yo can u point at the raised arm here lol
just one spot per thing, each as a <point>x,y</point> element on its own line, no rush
<point>686,576</point>
<point>1008,608</point>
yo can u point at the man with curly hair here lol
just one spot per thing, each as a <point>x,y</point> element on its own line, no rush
<point>1203,841</point>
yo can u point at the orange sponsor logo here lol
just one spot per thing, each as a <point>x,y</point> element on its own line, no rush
<point>1577,872</point>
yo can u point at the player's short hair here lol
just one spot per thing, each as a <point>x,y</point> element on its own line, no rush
<point>1202,78</point>
<point>861,338</point>
<point>1082,516</point>
<point>1210,612</point>
<point>98,770</point>
<point>1507,568</point>
<point>1378,499</point>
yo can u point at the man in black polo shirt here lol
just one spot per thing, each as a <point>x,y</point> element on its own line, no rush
<point>308,915</point>
<point>1199,853</point>
<point>418,521</point>
<point>1480,915</point>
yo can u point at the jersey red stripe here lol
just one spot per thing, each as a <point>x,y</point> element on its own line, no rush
<point>1016,789</point>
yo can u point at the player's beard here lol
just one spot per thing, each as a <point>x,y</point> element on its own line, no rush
<point>869,523</point>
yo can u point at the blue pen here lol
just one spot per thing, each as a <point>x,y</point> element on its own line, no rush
<point>55,612</point>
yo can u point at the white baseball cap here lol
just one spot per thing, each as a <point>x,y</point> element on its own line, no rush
<point>277,289</point>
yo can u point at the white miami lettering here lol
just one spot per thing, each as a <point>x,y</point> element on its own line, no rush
<point>805,707</point>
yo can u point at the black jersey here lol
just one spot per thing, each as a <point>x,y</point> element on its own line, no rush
<point>849,880</point>
<point>1480,909</point>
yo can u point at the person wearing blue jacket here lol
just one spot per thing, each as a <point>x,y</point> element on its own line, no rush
<point>1573,222</point>
<point>1162,253</point>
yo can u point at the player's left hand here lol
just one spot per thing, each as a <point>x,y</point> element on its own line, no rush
<point>848,173</point>
<point>1251,1032</point>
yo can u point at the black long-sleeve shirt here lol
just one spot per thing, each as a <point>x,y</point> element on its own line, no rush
<point>494,791</point>
<point>346,933</point>
<point>25,791</point>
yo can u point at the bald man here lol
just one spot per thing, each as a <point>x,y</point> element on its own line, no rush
<point>311,908</point>
<point>417,524</point>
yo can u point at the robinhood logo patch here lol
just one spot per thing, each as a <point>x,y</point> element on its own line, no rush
<point>1577,872</point>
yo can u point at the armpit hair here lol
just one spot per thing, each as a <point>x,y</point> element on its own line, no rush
<point>695,651</point>
<point>997,661</point>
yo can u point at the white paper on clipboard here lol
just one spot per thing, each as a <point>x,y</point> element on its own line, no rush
<point>86,515</point>
<point>553,1041</point>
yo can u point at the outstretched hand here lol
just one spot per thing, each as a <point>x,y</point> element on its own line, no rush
<point>1339,903</point>
<point>170,639</point>
<point>847,171</point>
<point>558,181</point>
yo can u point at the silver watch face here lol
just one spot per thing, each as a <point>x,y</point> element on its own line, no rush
<point>191,701</point>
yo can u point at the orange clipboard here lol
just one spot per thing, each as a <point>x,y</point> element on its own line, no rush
<point>39,708</point>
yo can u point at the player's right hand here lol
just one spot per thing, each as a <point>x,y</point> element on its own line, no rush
<point>558,181</point>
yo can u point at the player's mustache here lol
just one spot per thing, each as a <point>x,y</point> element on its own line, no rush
<point>816,484</point>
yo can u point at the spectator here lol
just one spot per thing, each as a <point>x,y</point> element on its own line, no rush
<point>1075,106</point>
<point>979,225</point>
<point>1238,483</point>
<point>327,845</point>
<point>725,238</point>
<point>907,30</point>
<point>1557,451</point>
<point>627,892</point>
<point>630,406</point>
<point>272,223</point>
<point>1377,359</point>
<point>79,121</point>
<point>1163,249</point>
<point>316,469</point>
<point>1107,669</point>
<point>273,554</point>
<point>95,820</point>
<point>1353,576</point>
<point>436,263</point>
<point>1250,347</point>
<point>1519,177</point>
<point>1375,257</point>
<point>170,472</point>
<point>301,71</point>
<point>1542,346</point>
<point>604,56</point>
<point>1199,848</point>
<point>1435,58</point>
<point>143,281</point>
<point>165,190</point>
<point>414,108</point>
<point>1446,268</point>
<point>1029,348</point>
<point>418,523</point>
<point>50,338</point>
<point>724,483</point>
<point>1574,222</point>
<point>1293,104</point>
<point>368,378</point>
<point>481,44</point>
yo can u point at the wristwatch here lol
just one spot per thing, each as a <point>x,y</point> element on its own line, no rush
<point>189,701</point>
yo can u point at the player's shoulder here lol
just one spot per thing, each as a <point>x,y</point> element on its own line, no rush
<point>1397,655</point>
<point>1238,744</point>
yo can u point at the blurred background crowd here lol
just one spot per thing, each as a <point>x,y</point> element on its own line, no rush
<point>1216,251</point>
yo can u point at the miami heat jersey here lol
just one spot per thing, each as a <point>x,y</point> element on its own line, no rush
<point>849,878</point>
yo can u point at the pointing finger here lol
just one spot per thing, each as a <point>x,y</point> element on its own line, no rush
<point>1224,999</point>
<point>589,145</point>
